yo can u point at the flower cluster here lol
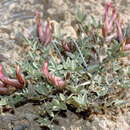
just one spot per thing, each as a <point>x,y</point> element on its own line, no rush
<point>112,27</point>
<point>57,81</point>
<point>44,37</point>
<point>126,44</point>
<point>6,82</point>
<point>68,46</point>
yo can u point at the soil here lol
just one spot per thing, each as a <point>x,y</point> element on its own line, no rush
<point>17,19</point>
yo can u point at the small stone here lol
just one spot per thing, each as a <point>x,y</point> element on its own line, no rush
<point>69,31</point>
<point>51,11</point>
<point>30,116</point>
<point>12,35</point>
<point>12,6</point>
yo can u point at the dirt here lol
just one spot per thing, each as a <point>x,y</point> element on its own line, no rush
<point>21,119</point>
<point>17,19</point>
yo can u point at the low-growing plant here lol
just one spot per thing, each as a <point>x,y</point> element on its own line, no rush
<point>77,75</point>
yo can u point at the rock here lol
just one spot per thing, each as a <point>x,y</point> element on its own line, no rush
<point>51,11</point>
<point>97,123</point>
<point>58,3</point>
<point>63,29</point>
<point>69,31</point>
<point>56,27</point>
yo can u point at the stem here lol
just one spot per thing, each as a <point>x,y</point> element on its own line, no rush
<point>58,51</point>
<point>83,84</point>
<point>85,64</point>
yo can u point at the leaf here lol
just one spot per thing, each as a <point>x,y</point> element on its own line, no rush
<point>80,16</point>
<point>62,97</point>
<point>16,99</point>
<point>31,55</point>
<point>34,47</point>
<point>50,112</point>
<point>118,102</point>
<point>95,22</point>
<point>93,68</point>
<point>116,66</point>
<point>78,101</point>
<point>128,71</point>
<point>42,89</point>
<point>35,65</point>
<point>103,91</point>
<point>57,105</point>
<point>70,64</point>
<point>44,121</point>
<point>126,83</point>
<point>3,101</point>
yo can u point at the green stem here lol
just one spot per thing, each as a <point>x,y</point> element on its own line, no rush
<point>85,64</point>
<point>58,51</point>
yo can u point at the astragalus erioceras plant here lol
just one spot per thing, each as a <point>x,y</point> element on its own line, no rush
<point>45,38</point>
<point>6,83</point>
<point>113,26</point>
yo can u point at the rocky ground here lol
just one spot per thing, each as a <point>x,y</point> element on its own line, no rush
<point>17,19</point>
